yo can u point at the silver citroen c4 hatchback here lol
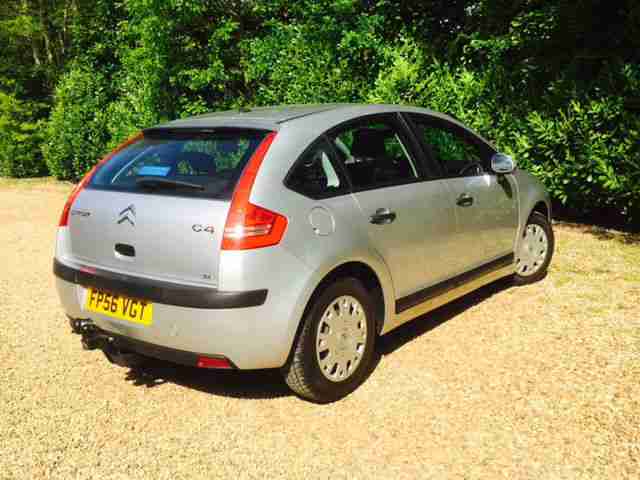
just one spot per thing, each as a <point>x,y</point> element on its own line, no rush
<point>291,237</point>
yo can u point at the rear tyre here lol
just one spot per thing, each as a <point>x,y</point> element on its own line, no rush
<point>333,353</point>
<point>535,250</point>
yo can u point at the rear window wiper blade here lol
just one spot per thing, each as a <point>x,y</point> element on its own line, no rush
<point>161,182</point>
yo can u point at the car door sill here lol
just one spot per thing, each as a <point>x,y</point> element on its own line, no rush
<point>408,302</point>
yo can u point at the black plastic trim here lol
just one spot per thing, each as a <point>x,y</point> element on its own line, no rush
<point>128,345</point>
<point>428,170</point>
<point>438,289</point>
<point>177,131</point>
<point>155,351</point>
<point>159,291</point>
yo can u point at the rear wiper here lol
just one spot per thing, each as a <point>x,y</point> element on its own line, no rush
<point>161,182</point>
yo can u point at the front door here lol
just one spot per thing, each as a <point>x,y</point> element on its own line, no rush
<point>485,204</point>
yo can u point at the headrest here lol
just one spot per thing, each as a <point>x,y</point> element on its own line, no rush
<point>227,146</point>
<point>201,163</point>
<point>368,143</point>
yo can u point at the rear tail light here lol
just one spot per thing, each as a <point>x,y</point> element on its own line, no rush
<point>212,362</point>
<point>64,217</point>
<point>250,226</point>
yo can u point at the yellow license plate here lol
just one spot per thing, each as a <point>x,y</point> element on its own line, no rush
<point>119,306</point>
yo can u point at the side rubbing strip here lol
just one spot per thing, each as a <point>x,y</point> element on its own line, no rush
<point>438,289</point>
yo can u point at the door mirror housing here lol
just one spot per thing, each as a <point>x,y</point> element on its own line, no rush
<point>501,163</point>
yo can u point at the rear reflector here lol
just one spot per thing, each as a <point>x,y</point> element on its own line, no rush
<point>208,362</point>
<point>250,226</point>
<point>64,217</point>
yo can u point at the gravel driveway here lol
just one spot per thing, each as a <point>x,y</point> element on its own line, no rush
<point>534,382</point>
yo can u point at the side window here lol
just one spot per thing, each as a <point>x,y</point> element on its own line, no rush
<point>457,156</point>
<point>314,174</point>
<point>374,155</point>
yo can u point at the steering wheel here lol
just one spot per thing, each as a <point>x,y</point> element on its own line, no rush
<point>475,164</point>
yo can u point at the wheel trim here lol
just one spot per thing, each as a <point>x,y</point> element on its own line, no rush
<point>341,338</point>
<point>533,250</point>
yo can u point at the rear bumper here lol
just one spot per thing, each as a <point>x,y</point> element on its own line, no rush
<point>253,337</point>
<point>116,345</point>
<point>158,291</point>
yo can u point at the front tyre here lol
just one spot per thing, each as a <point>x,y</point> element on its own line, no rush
<point>535,250</point>
<point>334,351</point>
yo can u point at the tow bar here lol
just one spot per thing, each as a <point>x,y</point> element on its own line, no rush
<point>92,338</point>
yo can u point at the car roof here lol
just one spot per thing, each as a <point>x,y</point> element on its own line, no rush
<point>279,114</point>
<point>301,116</point>
<point>267,117</point>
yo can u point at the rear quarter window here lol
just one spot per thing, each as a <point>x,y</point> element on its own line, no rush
<point>176,163</point>
<point>315,174</point>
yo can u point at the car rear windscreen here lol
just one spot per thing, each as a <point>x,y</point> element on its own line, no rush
<point>199,164</point>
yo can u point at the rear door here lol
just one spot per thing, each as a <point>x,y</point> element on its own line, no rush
<point>158,207</point>
<point>485,204</point>
<point>405,214</point>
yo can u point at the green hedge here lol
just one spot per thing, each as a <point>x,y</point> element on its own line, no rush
<point>20,138</point>
<point>581,141</point>
<point>77,133</point>
<point>545,81</point>
<point>587,153</point>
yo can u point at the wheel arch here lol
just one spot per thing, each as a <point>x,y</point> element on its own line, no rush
<point>372,272</point>
<point>540,204</point>
<point>532,197</point>
<point>542,207</point>
<point>369,279</point>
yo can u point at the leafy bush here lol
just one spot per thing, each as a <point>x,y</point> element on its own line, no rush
<point>411,77</point>
<point>140,85</point>
<point>20,138</point>
<point>77,134</point>
<point>587,154</point>
<point>331,55</point>
<point>533,79</point>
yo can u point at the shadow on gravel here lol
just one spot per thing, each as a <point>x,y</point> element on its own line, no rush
<point>404,334</point>
<point>258,384</point>
<point>602,233</point>
<point>265,384</point>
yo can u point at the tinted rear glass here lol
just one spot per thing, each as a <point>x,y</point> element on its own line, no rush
<point>212,160</point>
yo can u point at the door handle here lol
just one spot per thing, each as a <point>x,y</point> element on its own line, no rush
<point>465,200</point>
<point>382,216</point>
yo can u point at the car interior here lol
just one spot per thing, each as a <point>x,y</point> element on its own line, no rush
<point>376,157</point>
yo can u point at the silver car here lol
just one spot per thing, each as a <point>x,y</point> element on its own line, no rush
<point>291,237</point>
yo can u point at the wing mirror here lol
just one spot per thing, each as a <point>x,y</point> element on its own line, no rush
<point>501,163</point>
